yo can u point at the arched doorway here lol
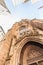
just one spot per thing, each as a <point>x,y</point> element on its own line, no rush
<point>32,54</point>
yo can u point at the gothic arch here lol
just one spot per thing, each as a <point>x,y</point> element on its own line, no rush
<point>19,46</point>
<point>30,52</point>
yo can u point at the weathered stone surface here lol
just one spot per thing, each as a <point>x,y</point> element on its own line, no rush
<point>16,38</point>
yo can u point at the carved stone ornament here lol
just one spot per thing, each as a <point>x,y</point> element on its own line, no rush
<point>23,44</point>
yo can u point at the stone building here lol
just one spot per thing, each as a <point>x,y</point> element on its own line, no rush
<point>2,33</point>
<point>3,8</point>
<point>23,44</point>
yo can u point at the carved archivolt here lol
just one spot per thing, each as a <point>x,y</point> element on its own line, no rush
<point>13,40</point>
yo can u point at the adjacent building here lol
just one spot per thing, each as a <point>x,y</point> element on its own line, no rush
<point>2,33</point>
<point>3,8</point>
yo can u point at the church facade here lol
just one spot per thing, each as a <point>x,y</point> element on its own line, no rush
<point>23,44</point>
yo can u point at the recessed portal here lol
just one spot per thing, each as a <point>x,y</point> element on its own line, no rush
<point>33,64</point>
<point>31,54</point>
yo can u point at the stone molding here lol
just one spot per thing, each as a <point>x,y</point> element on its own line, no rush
<point>27,30</point>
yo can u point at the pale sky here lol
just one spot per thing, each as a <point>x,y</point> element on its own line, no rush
<point>27,10</point>
<point>6,21</point>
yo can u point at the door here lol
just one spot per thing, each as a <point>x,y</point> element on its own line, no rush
<point>32,54</point>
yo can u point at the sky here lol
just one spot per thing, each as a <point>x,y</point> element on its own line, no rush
<point>26,10</point>
<point>22,11</point>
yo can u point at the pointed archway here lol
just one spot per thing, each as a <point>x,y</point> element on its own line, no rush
<point>31,54</point>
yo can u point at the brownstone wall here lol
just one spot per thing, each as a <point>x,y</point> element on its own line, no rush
<point>16,38</point>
